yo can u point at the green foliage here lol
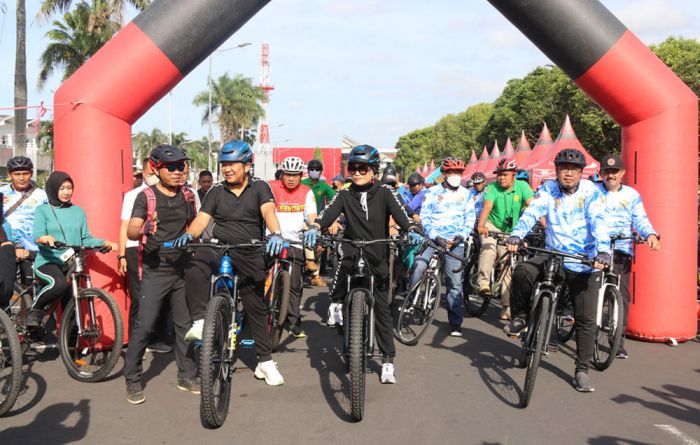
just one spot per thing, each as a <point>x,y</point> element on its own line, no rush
<point>101,11</point>
<point>318,154</point>
<point>46,137</point>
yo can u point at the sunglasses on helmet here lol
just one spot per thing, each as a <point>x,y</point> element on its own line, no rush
<point>355,168</point>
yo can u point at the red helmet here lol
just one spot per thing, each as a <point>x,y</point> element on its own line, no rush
<point>506,164</point>
<point>452,164</point>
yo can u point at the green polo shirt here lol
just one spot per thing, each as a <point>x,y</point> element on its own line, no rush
<point>507,204</point>
<point>322,192</point>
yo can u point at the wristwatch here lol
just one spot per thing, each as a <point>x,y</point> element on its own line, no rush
<point>120,257</point>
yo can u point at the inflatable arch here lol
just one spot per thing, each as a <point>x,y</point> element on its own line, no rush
<point>658,113</point>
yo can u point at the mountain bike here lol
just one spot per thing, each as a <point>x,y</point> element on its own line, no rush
<point>277,287</point>
<point>10,364</point>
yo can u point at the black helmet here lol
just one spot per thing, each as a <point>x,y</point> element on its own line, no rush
<point>18,163</point>
<point>415,179</point>
<point>478,178</point>
<point>570,156</point>
<point>315,164</point>
<point>389,170</point>
<point>163,154</point>
<point>365,154</point>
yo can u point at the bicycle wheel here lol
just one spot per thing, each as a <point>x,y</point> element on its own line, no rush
<point>10,363</point>
<point>215,362</point>
<point>418,310</point>
<point>91,344</point>
<point>357,356</point>
<point>278,306</point>
<point>534,346</point>
<point>609,333</point>
<point>474,301</point>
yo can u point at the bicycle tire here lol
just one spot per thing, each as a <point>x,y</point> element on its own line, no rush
<point>10,364</point>
<point>214,371</point>
<point>427,288</point>
<point>535,346</point>
<point>392,277</point>
<point>475,302</point>
<point>278,306</point>
<point>357,356</point>
<point>609,333</point>
<point>91,356</point>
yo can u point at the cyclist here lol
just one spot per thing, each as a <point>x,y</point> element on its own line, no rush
<point>295,206</point>
<point>478,181</point>
<point>205,181</point>
<point>59,220</point>
<point>524,176</point>
<point>21,198</point>
<point>575,225</point>
<point>323,193</point>
<point>625,212</point>
<point>413,192</point>
<point>367,206</point>
<point>163,270</point>
<point>241,206</point>
<point>448,218</point>
<point>503,201</point>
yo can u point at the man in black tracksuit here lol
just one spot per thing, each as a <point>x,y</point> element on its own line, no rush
<point>367,206</point>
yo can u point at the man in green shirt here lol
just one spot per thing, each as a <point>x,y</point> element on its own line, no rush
<point>323,193</point>
<point>503,202</point>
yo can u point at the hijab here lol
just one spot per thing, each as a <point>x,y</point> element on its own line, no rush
<point>53,184</point>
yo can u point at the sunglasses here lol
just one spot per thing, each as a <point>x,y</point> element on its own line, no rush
<point>362,169</point>
<point>314,169</point>
<point>172,166</point>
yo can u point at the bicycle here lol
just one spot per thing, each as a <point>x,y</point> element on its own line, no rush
<point>475,301</point>
<point>277,286</point>
<point>91,330</point>
<point>10,364</point>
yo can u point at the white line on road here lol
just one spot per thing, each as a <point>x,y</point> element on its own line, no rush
<point>678,434</point>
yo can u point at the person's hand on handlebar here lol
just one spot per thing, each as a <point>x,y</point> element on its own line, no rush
<point>483,230</point>
<point>601,261</point>
<point>109,246</point>
<point>335,228</point>
<point>182,241</point>
<point>513,243</point>
<point>274,244</point>
<point>653,242</point>
<point>415,238</point>
<point>46,240</point>
<point>310,237</point>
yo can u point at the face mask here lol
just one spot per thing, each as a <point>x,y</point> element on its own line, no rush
<point>314,174</point>
<point>151,180</point>
<point>454,180</point>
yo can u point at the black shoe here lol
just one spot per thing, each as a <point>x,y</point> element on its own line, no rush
<point>515,327</point>
<point>134,393</point>
<point>192,384</point>
<point>455,331</point>
<point>158,348</point>
<point>34,317</point>
<point>622,354</point>
<point>582,382</point>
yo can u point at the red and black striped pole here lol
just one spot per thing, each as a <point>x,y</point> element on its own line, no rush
<point>658,114</point>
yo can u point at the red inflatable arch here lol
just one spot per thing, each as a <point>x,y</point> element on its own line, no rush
<point>95,108</point>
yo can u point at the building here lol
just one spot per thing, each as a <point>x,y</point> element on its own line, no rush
<point>7,133</point>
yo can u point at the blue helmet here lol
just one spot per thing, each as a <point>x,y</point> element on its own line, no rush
<point>236,151</point>
<point>365,154</point>
<point>523,176</point>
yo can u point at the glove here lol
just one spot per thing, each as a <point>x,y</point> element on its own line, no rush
<point>514,240</point>
<point>182,241</point>
<point>603,258</point>
<point>414,239</point>
<point>440,241</point>
<point>274,245</point>
<point>310,237</point>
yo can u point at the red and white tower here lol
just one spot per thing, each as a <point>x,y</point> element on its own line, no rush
<point>263,161</point>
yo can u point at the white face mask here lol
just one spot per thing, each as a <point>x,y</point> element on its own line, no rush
<point>454,180</point>
<point>151,180</point>
<point>314,174</point>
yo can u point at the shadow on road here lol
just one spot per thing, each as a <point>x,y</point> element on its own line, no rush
<point>676,401</point>
<point>61,423</point>
<point>611,440</point>
<point>32,390</point>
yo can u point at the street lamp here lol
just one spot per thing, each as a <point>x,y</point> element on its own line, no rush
<point>240,45</point>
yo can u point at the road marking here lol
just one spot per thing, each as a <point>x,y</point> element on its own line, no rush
<point>678,434</point>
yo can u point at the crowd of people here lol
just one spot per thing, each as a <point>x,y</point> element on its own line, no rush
<point>169,287</point>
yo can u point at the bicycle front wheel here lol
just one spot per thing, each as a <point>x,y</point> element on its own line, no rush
<point>278,306</point>
<point>10,363</point>
<point>358,339</point>
<point>215,361</point>
<point>91,335</point>
<point>418,310</point>
<point>475,302</point>
<point>609,333</point>
<point>534,345</point>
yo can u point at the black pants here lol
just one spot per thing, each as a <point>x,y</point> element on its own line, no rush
<point>7,273</point>
<point>296,285</point>
<point>250,269</point>
<point>622,266</point>
<point>56,284</point>
<point>165,282</point>
<point>160,331</point>
<point>583,290</point>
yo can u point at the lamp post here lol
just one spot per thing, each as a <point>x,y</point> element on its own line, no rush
<point>240,45</point>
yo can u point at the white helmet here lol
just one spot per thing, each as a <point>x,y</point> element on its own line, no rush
<point>292,165</point>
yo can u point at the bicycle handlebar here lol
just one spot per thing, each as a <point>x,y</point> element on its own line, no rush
<point>216,245</point>
<point>580,258</point>
<point>77,248</point>
<point>360,243</point>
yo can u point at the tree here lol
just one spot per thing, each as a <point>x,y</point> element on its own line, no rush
<point>318,154</point>
<point>21,80</point>
<point>45,138</point>
<point>236,102</point>
<point>102,10</point>
<point>142,142</point>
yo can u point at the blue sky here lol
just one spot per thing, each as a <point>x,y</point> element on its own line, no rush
<point>369,69</point>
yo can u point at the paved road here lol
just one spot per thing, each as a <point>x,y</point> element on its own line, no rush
<point>450,390</point>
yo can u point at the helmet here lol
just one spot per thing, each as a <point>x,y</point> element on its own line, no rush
<point>236,151</point>
<point>469,184</point>
<point>415,179</point>
<point>452,164</point>
<point>570,156</point>
<point>389,177</point>
<point>389,170</point>
<point>506,164</point>
<point>315,164</point>
<point>292,165</point>
<point>523,176</point>
<point>364,154</point>
<point>163,154</point>
<point>19,163</point>
<point>478,178</point>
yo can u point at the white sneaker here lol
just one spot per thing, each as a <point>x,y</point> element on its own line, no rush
<point>335,315</point>
<point>268,370</point>
<point>195,332</point>
<point>388,373</point>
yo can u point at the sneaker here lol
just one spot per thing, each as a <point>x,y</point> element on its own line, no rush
<point>455,331</point>
<point>568,318</point>
<point>622,354</point>
<point>297,332</point>
<point>582,382</point>
<point>311,266</point>
<point>335,315</point>
<point>505,313</point>
<point>388,373</point>
<point>158,348</point>
<point>192,384</point>
<point>134,393</point>
<point>267,370</point>
<point>515,327</point>
<point>195,332</point>
<point>34,317</point>
<point>317,281</point>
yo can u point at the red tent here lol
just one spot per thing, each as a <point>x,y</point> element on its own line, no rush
<point>522,153</point>
<point>493,162</point>
<point>484,159</point>
<point>544,143</point>
<point>470,166</point>
<point>544,169</point>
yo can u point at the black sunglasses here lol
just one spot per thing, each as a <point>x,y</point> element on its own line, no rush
<point>314,169</point>
<point>362,169</point>
<point>172,166</point>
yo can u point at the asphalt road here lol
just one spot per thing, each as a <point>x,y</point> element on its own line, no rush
<point>449,391</point>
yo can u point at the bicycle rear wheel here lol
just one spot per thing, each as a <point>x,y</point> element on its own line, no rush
<point>418,310</point>
<point>357,354</point>
<point>278,306</point>
<point>609,333</point>
<point>534,347</point>
<point>475,302</point>
<point>91,343</point>
<point>215,363</point>
<point>10,363</point>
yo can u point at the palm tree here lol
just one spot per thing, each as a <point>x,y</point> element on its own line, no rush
<point>236,102</point>
<point>102,10</point>
<point>143,142</point>
<point>21,80</point>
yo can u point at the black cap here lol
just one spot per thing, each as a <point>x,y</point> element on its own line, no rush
<point>611,162</point>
